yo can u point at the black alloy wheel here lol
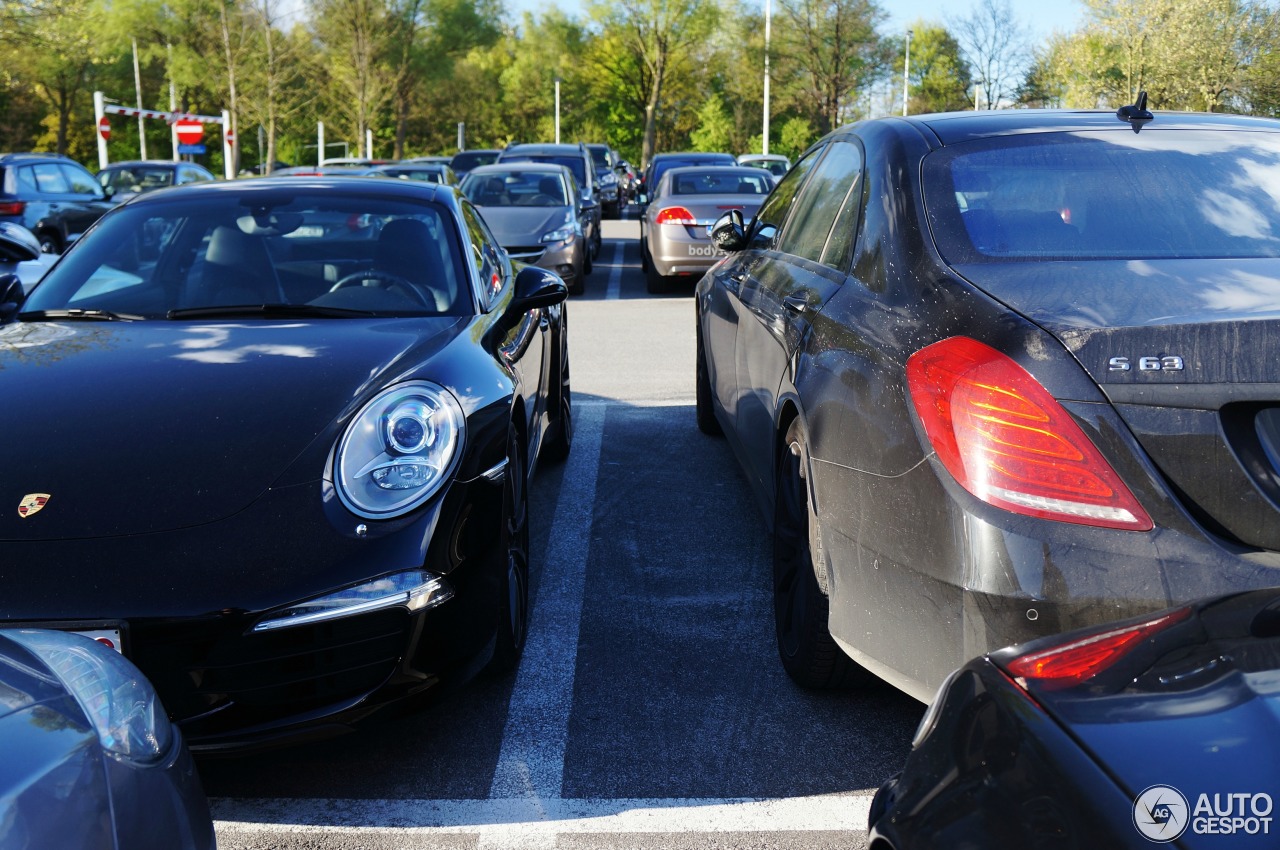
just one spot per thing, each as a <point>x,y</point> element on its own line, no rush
<point>801,608</point>
<point>513,613</point>
<point>559,438</point>
<point>706,415</point>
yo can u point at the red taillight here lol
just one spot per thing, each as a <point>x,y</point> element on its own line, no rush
<point>12,207</point>
<point>675,215</point>
<point>1010,443</point>
<point>1082,659</point>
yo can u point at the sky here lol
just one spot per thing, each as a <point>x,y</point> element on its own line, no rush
<point>1039,17</point>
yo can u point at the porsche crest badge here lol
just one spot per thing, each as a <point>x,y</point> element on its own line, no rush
<point>32,503</point>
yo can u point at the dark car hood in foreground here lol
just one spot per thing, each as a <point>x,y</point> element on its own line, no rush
<point>1219,316</point>
<point>1196,707</point>
<point>524,226</point>
<point>141,427</point>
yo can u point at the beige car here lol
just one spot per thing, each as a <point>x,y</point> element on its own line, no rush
<point>675,231</point>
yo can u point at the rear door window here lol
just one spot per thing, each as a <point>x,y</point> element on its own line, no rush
<point>822,201</point>
<point>776,207</point>
<point>50,179</point>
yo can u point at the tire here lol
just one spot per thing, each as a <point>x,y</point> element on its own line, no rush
<point>513,605</point>
<point>50,242</point>
<point>586,261</point>
<point>644,256</point>
<point>707,422</point>
<point>801,608</point>
<point>655,283</point>
<point>559,440</point>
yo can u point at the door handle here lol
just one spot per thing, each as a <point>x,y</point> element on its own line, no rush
<point>796,304</point>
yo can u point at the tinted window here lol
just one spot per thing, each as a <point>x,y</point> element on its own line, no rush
<point>822,199</point>
<point>775,208</point>
<point>719,183</point>
<point>79,180</point>
<point>467,160</point>
<point>485,252</point>
<point>662,166</point>
<point>1105,195</point>
<point>49,178</point>
<point>576,164</point>
<point>516,188</point>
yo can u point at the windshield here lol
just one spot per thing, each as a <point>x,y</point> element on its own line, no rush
<point>1106,195</point>
<point>662,166</point>
<point>216,250</point>
<point>136,178</point>
<point>516,189</point>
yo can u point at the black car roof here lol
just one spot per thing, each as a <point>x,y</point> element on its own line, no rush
<point>952,127</point>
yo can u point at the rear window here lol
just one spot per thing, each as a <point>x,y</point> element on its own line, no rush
<point>576,164</point>
<point>1106,195</point>
<point>467,160</point>
<point>717,183</point>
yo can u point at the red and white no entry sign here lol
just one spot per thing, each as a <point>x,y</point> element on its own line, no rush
<point>104,128</point>
<point>189,132</point>
<point>229,136</point>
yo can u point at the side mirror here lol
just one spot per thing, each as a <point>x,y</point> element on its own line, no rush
<point>729,233</point>
<point>12,295</point>
<point>536,288</point>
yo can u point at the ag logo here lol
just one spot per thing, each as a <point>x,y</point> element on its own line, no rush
<point>1160,813</point>
<point>32,503</point>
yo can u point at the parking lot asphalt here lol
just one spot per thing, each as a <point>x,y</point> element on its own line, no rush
<point>650,709</point>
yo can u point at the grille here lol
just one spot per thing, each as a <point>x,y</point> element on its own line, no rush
<point>217,664</point>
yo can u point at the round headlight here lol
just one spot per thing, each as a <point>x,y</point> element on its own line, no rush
<point>115,696</point>
<point>399,450</point>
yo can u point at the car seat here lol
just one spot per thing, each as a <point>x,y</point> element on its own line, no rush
<point>407,250</point>
<point>237,269</point>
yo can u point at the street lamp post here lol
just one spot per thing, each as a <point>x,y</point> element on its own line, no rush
<point>768,18</point>
<point>557,110</point>
<point>906,74</point>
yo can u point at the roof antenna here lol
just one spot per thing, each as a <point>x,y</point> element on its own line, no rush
<point>1137,114</point>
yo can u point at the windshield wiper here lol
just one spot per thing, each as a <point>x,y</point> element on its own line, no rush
<point>285,311</point>
<point>78,313</point>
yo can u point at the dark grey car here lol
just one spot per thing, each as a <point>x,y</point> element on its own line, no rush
<point>984,395</point>
<point>578,160</point>
<point>535,211</point>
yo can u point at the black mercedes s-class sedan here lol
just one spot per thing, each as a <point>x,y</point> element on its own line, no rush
<point>995,376</point>
<point>271,439</point>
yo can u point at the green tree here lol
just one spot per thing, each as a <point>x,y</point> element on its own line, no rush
<point>834,52</point>
<point>939,77</point>
<point>657,43</point>
<point>715,127</point>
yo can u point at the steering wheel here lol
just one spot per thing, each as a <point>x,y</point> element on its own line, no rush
<point>384,280</point>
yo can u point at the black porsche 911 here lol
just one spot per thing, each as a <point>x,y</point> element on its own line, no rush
<point>995,376</point>
<point>272,441</point>
<point>1155,730</point>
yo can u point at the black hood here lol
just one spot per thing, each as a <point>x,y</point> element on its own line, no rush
<point>133,428</point>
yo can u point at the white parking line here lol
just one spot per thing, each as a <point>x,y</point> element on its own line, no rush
<point>615,274</point>
<point>525,808</point>
<point>531,761</point>
<point>536,823</point>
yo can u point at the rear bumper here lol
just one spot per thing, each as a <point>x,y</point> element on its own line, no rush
<point>677,249</point>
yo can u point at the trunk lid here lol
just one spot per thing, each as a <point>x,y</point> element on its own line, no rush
<point>1186,351</point>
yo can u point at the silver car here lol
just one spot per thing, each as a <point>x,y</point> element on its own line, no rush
<point>534,210</point>
<point>675,231</point>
